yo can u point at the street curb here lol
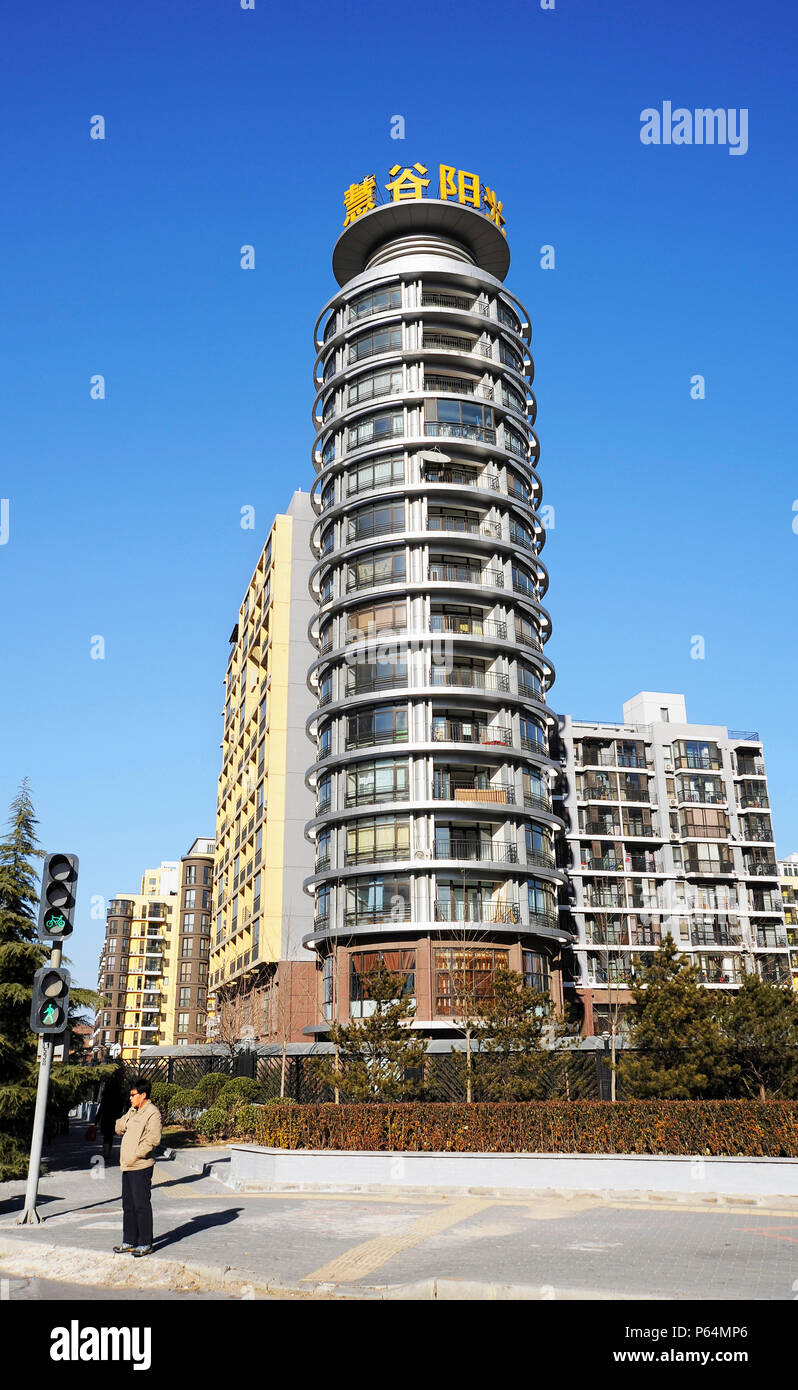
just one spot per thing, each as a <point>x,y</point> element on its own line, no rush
<point>178,1276</point>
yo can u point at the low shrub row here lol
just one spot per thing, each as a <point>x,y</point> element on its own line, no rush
<point>755,1129</point>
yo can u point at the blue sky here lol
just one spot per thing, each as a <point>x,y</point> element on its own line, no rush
<point>121,257</point>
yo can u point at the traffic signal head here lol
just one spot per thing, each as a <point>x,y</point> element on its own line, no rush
<point>57,901</point>
<point>50,1008</point>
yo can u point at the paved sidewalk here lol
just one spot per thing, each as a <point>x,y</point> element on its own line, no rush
<point>249,1245</point>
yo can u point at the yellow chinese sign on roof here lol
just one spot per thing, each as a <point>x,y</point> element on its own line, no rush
<point>415,182</point>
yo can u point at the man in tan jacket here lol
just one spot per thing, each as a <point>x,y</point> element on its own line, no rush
<point>141,1134</point>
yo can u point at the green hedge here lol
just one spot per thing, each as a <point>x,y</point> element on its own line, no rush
<point>761,1129</point>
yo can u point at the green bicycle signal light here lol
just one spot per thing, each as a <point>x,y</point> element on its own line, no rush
<point>57,899</point>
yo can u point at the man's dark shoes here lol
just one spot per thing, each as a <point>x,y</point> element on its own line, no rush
<point>141,1250</point>
<point>124,1249</point>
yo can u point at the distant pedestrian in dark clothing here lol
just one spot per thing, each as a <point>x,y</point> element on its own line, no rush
<point>112,1105</point>
<point>141,1134</point>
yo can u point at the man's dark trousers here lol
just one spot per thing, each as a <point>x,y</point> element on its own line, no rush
<point>137,1206</point>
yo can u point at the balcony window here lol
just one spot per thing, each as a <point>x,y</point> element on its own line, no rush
<point>364,964</point>
<point>327,987</point>
<point>518,487</point>
<point>533,736</point>
<point>370,344</point>
<point>528,681</point>
<point>464,978</point>
<point>475,902</point>
<point>382,837</point>
<point>377,302</point>
<point>541,901</point>
<point>376,567</point>
<point>510,357</point>
<point>379,520</point>
<point>375,618</point>
<point>458,419</point>
<point>384,779</point>
<point>507,317</point>
<point>513,400</point>
<point>380,724</point>
<point>367,388</point>
<point>705,825</point>
<point>697,753</point>
<point>378,900</point>
<point>385,472</point>
<point>376,427</point>
<point>524,582</point>
<point>368,676</point>
<point>514,442</point>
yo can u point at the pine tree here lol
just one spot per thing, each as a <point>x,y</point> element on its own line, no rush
<point>761,1023</point>
<point>377,1058</point>
<point>21,955</point>
<point>513,1033</point>
<point>677,1046</point>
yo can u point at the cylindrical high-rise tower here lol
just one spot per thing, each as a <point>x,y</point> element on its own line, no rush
<point>434,825</point>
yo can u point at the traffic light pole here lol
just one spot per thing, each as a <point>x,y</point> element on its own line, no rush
<point>30,1216</point>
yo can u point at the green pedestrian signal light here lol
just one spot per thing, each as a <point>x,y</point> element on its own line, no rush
<point>57,899</point>
<point>50,1006</point>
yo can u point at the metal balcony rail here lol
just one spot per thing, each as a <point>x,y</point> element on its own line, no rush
<point>447,429</point>
<point>747,767</point>
<point>526,637</point>
<point>605,899</point>
<point>359,683</point>
<point>515,446</point>
<point>476,627</point>
<point>756,832</point>
<point>364,530</point>
<point>714,936</point>
<point>755,802</point>
<point>637,828</point>
<point>322,861</point>
<point>643,936</point>
<point>537,801</point>
<point>453,732</point>
<point>643,863</point>
<point>694,865</point>
<point>377,916</point>
<point>461,527</point>
<point>765,868</point>
<point>366,796</point>
<point>376,737</point>
<point>372,581</point>
<point>546,921</point>
<point>533,745</point>
<point>468,679</point>
<point>486,851</point>
<point>376,853</point>
<point>745,735</point>
<point>458,789</point>
<point>718,976</point>
<point>465,574</point>
<point>461,477</point>
<point>454,301</point>
<point>598,827</point>
<point>710,799</point>
<point>530,692</point>
<point>457,386</point>
<point>540,859</point>
<point>702,762</point>
<point>608,936</point>
<point>596,794</point>
<point>476,911</point>
<point>448,342</point>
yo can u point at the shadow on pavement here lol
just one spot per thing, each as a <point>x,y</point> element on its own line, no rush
<point>194,1226</point>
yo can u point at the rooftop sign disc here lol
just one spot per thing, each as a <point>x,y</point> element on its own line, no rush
<point>414,198</point>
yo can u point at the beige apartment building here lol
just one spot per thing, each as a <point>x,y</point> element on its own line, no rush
<point>263,982</point>
<point>153,971</point>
